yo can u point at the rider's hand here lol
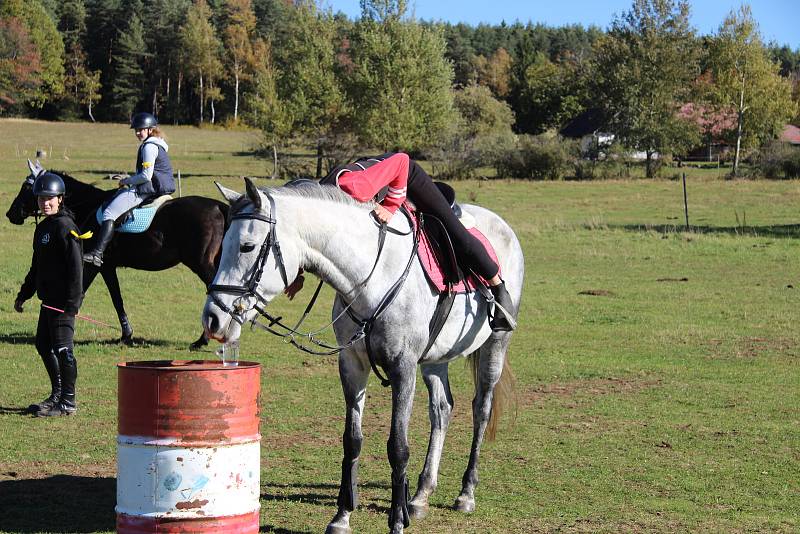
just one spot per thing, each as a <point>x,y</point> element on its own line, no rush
<point>382,214</point>
<point>295,287</point>
<point>18,305</point>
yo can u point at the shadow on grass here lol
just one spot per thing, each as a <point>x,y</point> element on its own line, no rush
<point>61,503</point>
<point>791,231</point>
<point>26,338</point>
<point>14,410</point>
<point>18,338</point>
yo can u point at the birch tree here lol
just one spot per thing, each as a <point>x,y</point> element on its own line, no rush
<point>746,82</point>
<point>201,49</point>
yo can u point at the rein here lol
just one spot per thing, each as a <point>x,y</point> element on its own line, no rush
<point>289,334</point>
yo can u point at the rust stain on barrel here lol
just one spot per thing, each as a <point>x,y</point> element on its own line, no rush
<point>187,505</point>
<point>209,406</point>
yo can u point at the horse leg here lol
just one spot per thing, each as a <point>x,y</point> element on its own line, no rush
<point>440,406</point>
<point>403,379</point>
<point>490,367</point>
<point>205,272</point>
<point>112,283</point>
<point>353,372</point>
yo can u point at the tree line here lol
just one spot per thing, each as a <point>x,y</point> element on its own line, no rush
<point>388,81</point>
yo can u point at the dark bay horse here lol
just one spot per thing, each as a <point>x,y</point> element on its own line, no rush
<point>186,230</point>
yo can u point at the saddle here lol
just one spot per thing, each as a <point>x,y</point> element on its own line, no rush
<point>436,254</point>
<point>138,219</point>
<point>438,260</point>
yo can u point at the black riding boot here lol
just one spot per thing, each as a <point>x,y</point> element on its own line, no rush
<point>53,371</point>
<point>104,235</point>
<point>499,321</point>
<point>69,374</point>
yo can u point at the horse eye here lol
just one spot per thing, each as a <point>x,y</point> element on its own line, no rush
<point>247,248</point>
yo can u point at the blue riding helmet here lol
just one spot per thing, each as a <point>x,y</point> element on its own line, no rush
<point>48,185</point>
<point>143,120</point>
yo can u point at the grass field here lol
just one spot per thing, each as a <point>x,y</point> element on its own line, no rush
<point>657,368</point>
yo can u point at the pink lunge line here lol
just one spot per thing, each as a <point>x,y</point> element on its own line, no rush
<point>80,317</point>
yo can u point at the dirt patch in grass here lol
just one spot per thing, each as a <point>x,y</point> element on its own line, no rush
<point>752,347</point>
<point>583,388</point>
<point>597,293</point>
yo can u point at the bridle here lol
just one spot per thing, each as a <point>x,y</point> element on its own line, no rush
<point>249,289</point>
<point>250,286</point>
<point>27,186</point>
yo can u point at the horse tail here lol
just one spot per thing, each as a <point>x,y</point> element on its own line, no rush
<point>504,396</point>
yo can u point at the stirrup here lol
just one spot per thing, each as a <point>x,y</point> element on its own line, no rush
<point>500,318</point>
<point>499,322</point>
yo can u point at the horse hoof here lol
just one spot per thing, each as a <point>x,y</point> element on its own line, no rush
<point>199,344</point>
<point>336,529</point>
<point>464,504</point>
<point>127,340</point>
<point>418,511</point>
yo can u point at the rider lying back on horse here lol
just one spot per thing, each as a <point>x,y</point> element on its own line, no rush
<point>406,178</point>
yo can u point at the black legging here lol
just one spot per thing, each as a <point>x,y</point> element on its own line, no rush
<point>428,199</point>
<point>54,343</point>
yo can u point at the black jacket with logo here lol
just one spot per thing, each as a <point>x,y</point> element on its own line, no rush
<point>56,273</point>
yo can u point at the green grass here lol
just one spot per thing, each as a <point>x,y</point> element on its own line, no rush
<point>657,368</point>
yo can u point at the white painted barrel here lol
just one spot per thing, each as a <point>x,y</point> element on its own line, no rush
<point>188,448</point>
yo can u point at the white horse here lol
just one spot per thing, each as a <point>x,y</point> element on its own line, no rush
<point>275,232</point>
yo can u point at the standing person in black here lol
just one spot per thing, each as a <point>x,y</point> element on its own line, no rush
<point>55,276</point>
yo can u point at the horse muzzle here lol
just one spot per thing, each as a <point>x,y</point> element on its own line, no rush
<point>218,323</point>
<point>15,217</point>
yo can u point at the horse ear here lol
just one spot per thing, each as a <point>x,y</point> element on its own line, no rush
<point>252,192</point>
<point>31,167</point>
<point>228,194</point>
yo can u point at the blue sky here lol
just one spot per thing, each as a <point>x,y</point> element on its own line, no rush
<point>779,20</point>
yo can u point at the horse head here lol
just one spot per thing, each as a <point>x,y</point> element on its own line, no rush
<point>252,269</point>
<point>24,204</point>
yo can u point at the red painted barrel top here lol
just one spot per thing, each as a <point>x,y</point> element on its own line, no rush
<point>189,402</point>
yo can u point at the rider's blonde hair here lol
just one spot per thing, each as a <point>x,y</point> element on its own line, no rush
<point>158,132</point>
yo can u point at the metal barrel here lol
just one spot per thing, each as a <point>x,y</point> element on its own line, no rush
<point>188,447</point>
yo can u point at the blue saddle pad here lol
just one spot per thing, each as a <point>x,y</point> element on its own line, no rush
<point>137,222</point>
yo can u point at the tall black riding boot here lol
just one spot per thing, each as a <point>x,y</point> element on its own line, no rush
<point>502,321</point>
<point>53,371</point>
<point>69,374</point>
<point>104,235</point>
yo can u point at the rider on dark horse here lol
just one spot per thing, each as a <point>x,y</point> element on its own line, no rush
<point>406,178</point>
<point>153,178</point>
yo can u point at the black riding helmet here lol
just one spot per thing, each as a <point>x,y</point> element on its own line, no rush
<point>143,120</point>
<point>48,184</point>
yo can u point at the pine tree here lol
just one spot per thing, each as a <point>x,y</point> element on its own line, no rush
<point>81,85</point>
<point>129,54</point>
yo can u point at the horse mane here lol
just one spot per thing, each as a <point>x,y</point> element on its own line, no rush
<point>311,189</point>
<point>69,181</point>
